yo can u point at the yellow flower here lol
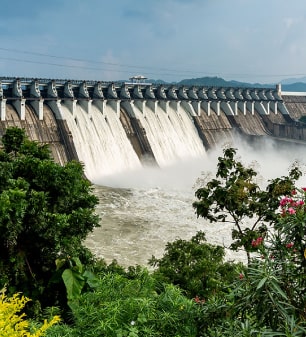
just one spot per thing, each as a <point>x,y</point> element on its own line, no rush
<point>14,324</point>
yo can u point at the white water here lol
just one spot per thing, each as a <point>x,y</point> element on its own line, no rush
<point>172,135</point>
<point>101,142</point>
<point>142,209</point>
<point>145,210</point>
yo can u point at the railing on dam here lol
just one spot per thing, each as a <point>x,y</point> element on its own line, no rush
<point>50,109</point>
<point>11,87</point>
<point>20,91</point>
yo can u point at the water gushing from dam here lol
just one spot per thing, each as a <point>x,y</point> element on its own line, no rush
<point>172,135</point>
<point>144,146</point>
<point>100,142</point>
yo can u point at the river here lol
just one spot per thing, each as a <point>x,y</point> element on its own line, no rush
<point>141,210</point>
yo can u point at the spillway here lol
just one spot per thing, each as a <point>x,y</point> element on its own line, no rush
<point>117,127</point>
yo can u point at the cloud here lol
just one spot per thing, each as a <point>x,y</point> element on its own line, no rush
<point>289,22</point>
<point>192,37</point>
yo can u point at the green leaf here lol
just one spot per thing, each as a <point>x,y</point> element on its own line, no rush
<point>261,283</point>
<point>91,279</point>
<point>78,264</point>
<point>59,263</point>
<point>278,290</point>
<point>74,283</point>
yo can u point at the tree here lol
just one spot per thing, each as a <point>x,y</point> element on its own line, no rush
<point>268,296</point>
<point>272,289</point>
<point>46,211</point>
<point>234,196</point>
<point>195,266</point>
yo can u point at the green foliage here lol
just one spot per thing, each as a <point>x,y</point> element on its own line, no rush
<point>13,140</point>
<point>195,266</point>
<point>13,322</point>
<point>76,278</point>
<point>46,211</point>
<point>270,293</point>
<point>131,307</point>
<point>269,296</point>
<point>235,196</point>
<point>265,298</point>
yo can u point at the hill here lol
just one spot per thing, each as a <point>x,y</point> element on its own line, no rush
<point>220,82</point>
<point>298,86</point>
<point>287,84</point>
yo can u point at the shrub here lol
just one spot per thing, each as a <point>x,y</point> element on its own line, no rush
<point>234,196</point>
<point>131,307</point>
<point>13,322</point>
<point>46,211</point>
<point>196,266</point>
<point>273,287</point>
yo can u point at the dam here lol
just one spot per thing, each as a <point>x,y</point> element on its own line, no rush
<point>114,126</point>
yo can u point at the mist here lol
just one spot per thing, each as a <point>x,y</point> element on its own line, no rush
<point>142,210</point>
<point>269,158</point>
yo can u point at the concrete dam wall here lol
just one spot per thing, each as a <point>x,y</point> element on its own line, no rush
<point>63,113</point>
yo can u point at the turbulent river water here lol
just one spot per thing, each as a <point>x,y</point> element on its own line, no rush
<point>141,210</point>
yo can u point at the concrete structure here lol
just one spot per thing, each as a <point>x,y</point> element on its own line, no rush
<point>36,105</point>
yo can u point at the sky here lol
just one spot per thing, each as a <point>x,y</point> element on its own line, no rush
<point>254,41</point>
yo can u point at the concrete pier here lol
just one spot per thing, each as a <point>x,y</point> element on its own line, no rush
<point>212,109</point>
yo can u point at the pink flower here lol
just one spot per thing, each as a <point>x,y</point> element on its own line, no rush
<point>285,201</point>
<point>289,245</point>
<point>293,192</point>
<point>257,242</point>
<point>291,210</point>
<point>304,189</point>
<point>241,276</point>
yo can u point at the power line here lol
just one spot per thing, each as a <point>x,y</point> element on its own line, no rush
<point>93,61</point>
<point>157,71</point>
<point>78,66</point>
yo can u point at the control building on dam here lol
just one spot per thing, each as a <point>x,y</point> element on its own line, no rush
<point>42,107</point>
